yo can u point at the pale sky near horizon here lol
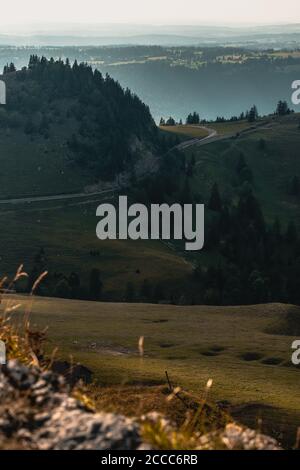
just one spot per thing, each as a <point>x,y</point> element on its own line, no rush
<point>185,12</point>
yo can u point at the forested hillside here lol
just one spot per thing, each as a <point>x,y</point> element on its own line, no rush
<point>249,183</point>
<point>71,121</point>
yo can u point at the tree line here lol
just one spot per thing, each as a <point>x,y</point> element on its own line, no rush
<point>251,115</point>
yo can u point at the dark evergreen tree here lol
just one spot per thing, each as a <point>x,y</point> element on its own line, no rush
<point>130,292</point>
<point>146,290</point>
<point>74,283</point>
<point>282,108</point>
<point>294,186</point>
<point>170,121</point>
<point>193,118</point>
<point>253,114</point>
<point>291,233</point>
<point>95,285</point>
<point>215,202</point>
<point>40,265</point>
<point>8,68</point>
<point>63,289</point>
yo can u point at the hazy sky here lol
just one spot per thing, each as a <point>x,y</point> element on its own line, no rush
<point>150,11</point>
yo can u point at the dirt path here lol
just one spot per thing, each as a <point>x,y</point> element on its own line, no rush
<point>212,134</point>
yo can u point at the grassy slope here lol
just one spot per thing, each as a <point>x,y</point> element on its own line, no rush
<point>228,128</point>
<point>272,167</point>
<point>192,343</point>
<point>222,128</point>
<point>68,234</point>
<point>186,131</point>
<point>37,166</point>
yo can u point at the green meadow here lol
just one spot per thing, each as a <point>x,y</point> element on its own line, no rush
<point>238,347</point>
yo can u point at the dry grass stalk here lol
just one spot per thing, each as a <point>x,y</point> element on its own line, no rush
<point>141,345</point>
<point>22,342</point>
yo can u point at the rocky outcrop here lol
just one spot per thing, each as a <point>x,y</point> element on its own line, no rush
<point>236,437</point>
<point>37,412</point>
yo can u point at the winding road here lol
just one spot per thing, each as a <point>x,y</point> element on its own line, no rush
<point>212,136</point>
<point>54,197</point>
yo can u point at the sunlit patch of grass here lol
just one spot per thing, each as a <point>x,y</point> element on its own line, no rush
<point>198,132</point>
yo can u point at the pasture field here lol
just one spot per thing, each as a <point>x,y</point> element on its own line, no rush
<point>238,347</point>
<point>230,127</point>
<point>187,131</point>
<point>227,128</point>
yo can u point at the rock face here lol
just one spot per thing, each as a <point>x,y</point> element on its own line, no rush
<point>37,412</point>
<point>235,437</point>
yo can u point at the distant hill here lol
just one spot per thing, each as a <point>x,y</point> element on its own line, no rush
<point>101,34</point>
<point>214,80</point>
